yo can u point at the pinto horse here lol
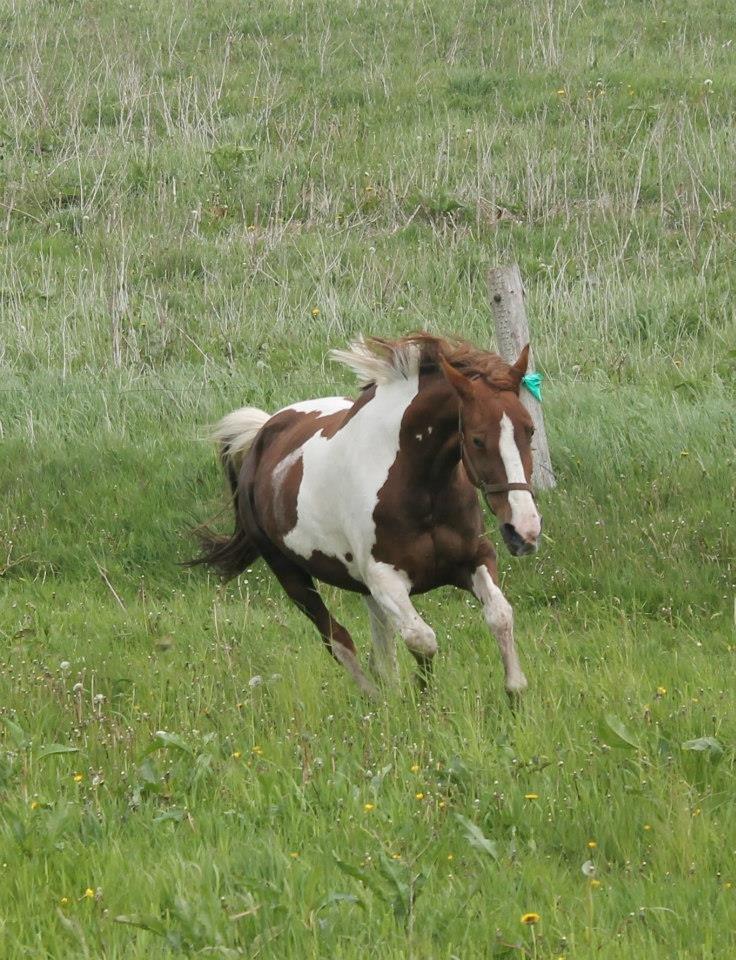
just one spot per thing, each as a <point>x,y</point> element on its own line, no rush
<point>378,495</point>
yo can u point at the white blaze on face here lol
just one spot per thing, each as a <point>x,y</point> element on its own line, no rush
<point>524,515</point>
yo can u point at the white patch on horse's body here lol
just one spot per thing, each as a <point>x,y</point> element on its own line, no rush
<point>322,406</point>
<point>420,437</point>
<point>524,515</point>
<point>343,474</point>
<point>500,618</point>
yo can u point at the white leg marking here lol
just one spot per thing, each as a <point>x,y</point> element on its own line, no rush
<point>348,659</point>
<point>390,589</point>
<point>500,618</point>
<point>524,515</point>
<point>383,662</point>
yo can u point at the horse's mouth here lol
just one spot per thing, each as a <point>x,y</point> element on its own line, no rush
<point>517,546</point>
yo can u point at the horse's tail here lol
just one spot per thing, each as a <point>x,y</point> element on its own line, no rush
<point>231,555</point>
<point>234,435</point>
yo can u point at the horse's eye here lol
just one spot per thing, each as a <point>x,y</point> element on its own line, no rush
<point>477,442</point>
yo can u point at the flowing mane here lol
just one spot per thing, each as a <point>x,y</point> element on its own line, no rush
<point>376,360</point>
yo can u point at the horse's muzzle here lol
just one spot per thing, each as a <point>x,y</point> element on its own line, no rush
<point>517,546</point>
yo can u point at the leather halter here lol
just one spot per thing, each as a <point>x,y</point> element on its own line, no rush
<point>486,488</point>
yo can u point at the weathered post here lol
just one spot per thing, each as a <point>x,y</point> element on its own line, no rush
<point>506,291</point>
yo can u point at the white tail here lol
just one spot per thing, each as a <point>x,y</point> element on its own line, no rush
<point>237,431</point>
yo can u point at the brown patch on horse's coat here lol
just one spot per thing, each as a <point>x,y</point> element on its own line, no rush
<point>430,534</point>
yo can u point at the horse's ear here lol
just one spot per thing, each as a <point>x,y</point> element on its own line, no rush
<point>457,380</point>
<point>520,367</point>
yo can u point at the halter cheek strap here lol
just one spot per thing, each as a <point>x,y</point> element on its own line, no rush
<point>486,488</point>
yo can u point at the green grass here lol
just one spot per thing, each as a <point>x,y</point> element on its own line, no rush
<point>180,186</point>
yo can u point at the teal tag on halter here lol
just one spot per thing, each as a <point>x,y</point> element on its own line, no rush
<point>533,383</point>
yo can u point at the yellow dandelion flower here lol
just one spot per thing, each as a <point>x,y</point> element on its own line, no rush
<point>258,751</point>
<point>442,804</point>
<point>35,805</point>
<point>450,856</point>
<point>419,795</point>
<point>530,918</point>
<point>315,312</point>
<point>78,777</point>
<point>64,902</point>
<point>531,796</point>
<point>594,883</point>
<point>647,826</point>
<point>294,855</point>
<point>661,691</point>
<point>396,856</point>
<point>368,807</point>
<point>415,768</point>
<point>727,885</point>
<point>592,844</point>
<point>89,893</point>
<point>697,811</point>
<point>561,92</point>
<point>236,754</point>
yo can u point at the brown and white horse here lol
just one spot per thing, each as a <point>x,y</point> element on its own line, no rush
<point>379,495</point>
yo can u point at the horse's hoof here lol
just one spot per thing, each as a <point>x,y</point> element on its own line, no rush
<point>516,698</point>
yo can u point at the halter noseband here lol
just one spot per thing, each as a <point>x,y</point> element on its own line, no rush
<point>486,488</point>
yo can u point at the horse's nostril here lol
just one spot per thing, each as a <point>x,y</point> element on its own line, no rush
<point>511,535</point>
<point>516,544</point>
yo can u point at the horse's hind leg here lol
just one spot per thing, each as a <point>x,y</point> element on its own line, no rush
<point>383,662</point>
<point>300,587</point>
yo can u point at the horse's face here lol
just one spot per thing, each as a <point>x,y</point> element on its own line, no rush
<point>496,432</point>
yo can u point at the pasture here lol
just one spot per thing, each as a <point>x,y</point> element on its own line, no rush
<point>198,200</point>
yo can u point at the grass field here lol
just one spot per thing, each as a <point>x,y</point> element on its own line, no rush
<point>197,200</point>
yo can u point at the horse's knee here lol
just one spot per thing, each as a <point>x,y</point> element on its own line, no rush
<point>499,615</point>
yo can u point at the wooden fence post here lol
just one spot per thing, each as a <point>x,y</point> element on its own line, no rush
<point>506,292</point>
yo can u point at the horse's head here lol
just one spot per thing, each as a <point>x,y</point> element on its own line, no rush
<point>495,443</point>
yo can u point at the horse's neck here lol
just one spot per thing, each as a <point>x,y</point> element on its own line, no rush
<point>431,427</point>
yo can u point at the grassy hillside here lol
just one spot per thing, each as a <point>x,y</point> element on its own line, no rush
<point>196,202</point>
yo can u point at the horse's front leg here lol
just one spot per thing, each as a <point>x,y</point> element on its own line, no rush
<point>383,662</point>
<point>482,580</point>
<point>390,589</point>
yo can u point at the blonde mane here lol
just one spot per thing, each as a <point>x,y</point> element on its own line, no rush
<point>377,360</point>
<point>380,361</point>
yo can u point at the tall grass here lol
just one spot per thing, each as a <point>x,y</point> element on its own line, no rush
<point>196,201</point>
